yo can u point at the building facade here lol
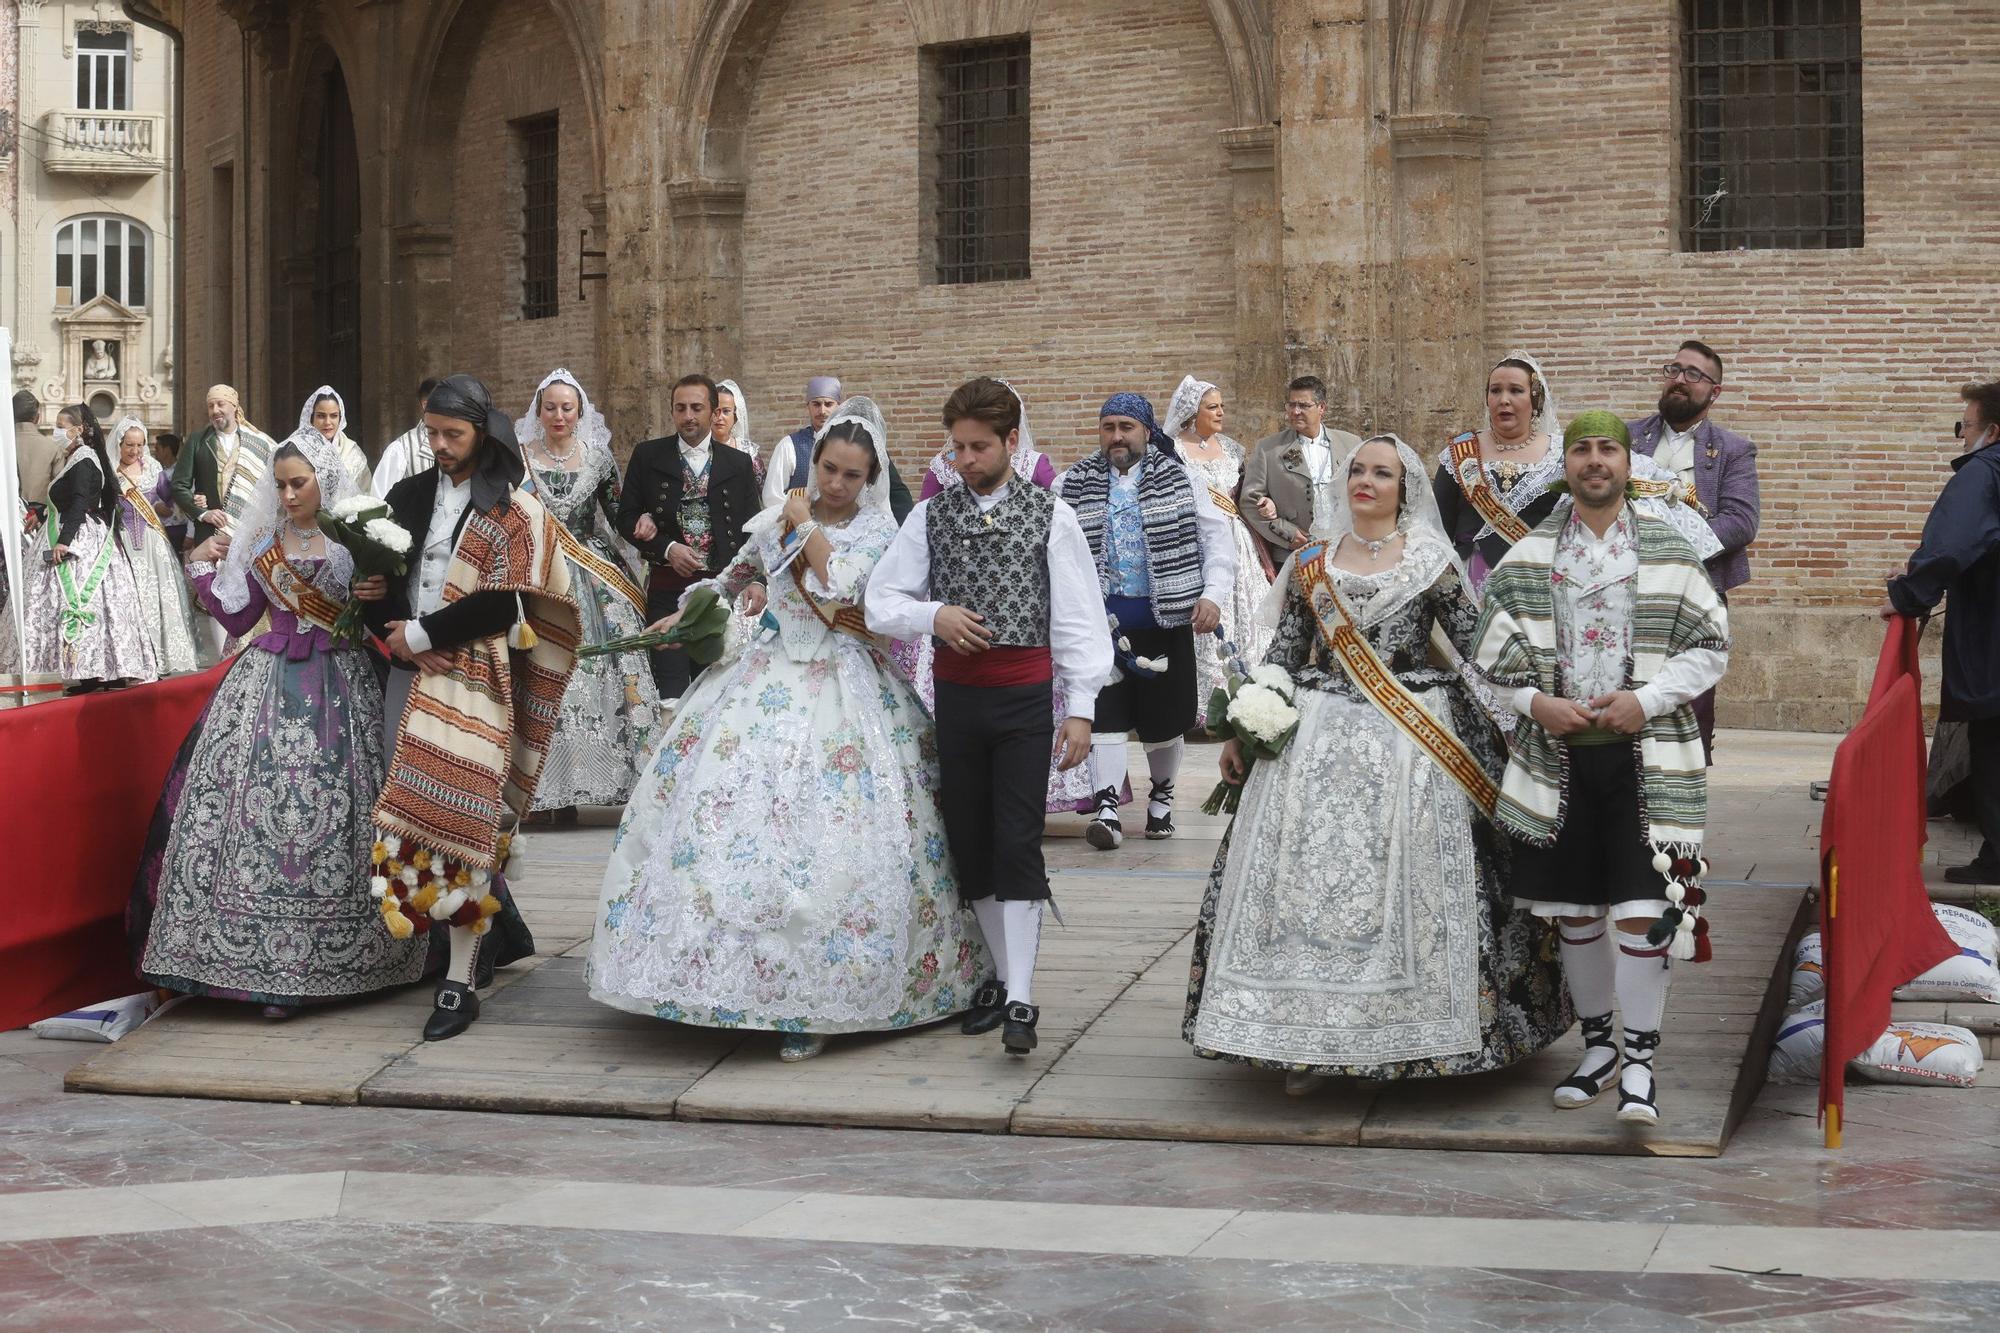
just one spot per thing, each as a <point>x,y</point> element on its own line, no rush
<point>87,280</point>
<point>1091,195</point>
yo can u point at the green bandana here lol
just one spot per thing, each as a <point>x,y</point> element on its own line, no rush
<point>1598,426</point>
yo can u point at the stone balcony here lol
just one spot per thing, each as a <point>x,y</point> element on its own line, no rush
<point>104,143</point>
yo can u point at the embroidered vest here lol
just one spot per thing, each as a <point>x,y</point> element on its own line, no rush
<point>802,457</point>
<point>995,563</point>
<point>1166,508</point>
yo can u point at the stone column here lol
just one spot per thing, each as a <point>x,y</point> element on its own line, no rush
<point>1440,277</point>
<point>420,336</point>
<point>708,275</point>
<point>1258,390</point>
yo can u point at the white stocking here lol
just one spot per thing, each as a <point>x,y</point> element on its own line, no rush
<point>1642,983</point>
<point>1107,761</point>
<point>1163,758</point>
<point>992,924</point>
<point>1588,960</point>
<point>1023,929</point>
<point>464,955</point>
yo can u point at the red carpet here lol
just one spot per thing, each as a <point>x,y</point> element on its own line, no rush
<point>78,781</point>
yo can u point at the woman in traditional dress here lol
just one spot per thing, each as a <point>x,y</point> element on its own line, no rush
<point>732,422</point>
<point>326,412</point>
<point>85,621</point>
<point>145,500</point>
<point>611,707</point>
<point>254,881</point>
<point>1194,423</point>
<point>1355,922</point>
<point>783,864</point>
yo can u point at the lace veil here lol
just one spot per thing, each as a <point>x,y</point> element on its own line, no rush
<point>1548,419</point>
<point>740,437</point>
<point>257,528</point>
<point>149,466</point>
<point>1185,403</point>
<point>860,409</point>
<point>591,430</point>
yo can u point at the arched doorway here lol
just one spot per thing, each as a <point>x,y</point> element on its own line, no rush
<point>335,251</point>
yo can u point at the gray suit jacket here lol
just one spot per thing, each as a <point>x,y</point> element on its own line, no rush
<point>1277,468</point>
<point>1725,480</point>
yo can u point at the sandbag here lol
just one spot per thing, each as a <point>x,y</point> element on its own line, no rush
<point>1918,1053</point>
<point>1972,975</point>
<point>1808,980</point>
<point>104,1022</point>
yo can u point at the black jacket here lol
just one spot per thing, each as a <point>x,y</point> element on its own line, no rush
<point>479,616</point>
<point>1958,561</point>
<point>653,483</point>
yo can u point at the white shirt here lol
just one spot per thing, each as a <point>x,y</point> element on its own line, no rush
<point>778,471</point>
<point>428,574</point>
<point>407,455</point>
<point>1675,451</point>
<point>1319,467</point>
<point>898,602</point>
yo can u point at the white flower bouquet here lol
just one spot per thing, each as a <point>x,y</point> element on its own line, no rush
<point>378,544</point>
<point>1253,706</point>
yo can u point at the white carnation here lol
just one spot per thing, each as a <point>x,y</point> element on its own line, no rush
<point>353,506</point>
<point>1273,677</point>
<point>1262,712</point>
<point>387,534</point>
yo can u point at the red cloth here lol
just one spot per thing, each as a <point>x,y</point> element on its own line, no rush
<point>994,668</point>
<point>78,782</point>
<point>1876,926</point>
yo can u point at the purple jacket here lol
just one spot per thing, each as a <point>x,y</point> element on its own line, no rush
<point>1725,479</point>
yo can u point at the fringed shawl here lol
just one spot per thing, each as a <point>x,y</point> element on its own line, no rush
<point>473,739</point>
<point>1675,608</point>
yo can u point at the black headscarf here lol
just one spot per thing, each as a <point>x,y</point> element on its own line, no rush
<point>500,467</point>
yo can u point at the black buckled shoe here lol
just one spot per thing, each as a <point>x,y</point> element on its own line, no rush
<point>1019,1034</point>
<point>989,1006</point>
<point>1160,826</point>
<point>456,1005</point>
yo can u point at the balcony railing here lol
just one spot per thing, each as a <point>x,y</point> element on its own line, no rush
<point>104,143</point>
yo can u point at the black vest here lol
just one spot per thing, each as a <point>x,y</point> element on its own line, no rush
<point>995,563</point>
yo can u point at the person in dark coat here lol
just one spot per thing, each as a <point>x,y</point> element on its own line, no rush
<point>684,507</point>
<point>1958,561</point>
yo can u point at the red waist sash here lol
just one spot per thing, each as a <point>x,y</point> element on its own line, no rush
<point>995,667</point>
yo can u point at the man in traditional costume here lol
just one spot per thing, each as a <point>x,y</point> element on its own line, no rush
<point>1600,626</point>
<point>218,471</point>
<point>484,633</point>
<point>1165,562</point>
<point>407,454</point>
<point>1290,478</point>
<point>684,506</point>
<point>999,571</point>
<point>791,457</point>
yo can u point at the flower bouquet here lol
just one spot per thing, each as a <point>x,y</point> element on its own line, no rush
<point>1253,706</point>
<point>362,524</point>
<point>699,632</point>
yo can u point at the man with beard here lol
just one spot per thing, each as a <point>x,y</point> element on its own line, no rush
<point>483,632</point>
<point>1600,626</point>
<point>1721,466</point>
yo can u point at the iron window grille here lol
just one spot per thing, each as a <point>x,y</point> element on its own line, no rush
<point>981,204</point>
<point>1771,124</point>
<point>539,160</point>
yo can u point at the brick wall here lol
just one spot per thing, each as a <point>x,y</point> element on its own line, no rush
<point>1843,365</point>
<point>1131,244</point>
<point>524,68</point>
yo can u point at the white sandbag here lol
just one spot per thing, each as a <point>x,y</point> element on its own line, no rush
<point>107,1021</point>
<point>1929,1053</point>
<point>1971,975</point>
<point>1808,979</point>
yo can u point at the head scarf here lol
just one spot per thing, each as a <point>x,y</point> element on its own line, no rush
<point>1185,403</point>
<point>228,394</point>
<point>823,386</point>
<point>591,431</point>
<point>149,466</point>
<point>739,435</point>
<point>500,468</point>
<point>252,534</point>
<point>1136,406</point>
<point>861,410</point>
<point>1598,425</point>
<point>1545,420</point>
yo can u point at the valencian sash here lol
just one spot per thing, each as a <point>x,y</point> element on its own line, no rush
<point>294,591</point>
<point>1673,491</point>
<point>608,573</point>
<point>1223,501</point>
<point>144,507</point>
<point>1470,473</point>
<point>842,617</point>
<point>1378,684</point>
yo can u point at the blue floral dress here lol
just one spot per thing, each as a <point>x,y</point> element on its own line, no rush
<point>782,862</point>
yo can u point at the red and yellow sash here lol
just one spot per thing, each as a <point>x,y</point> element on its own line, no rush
<point>607,572</point>
<point>843,617</point>
<point>1350,647</point>
<point>295,592</point>
<point>144,507</point>
<point>1470,474</point>
<point>1675,491</point>
<point>1223,501</point>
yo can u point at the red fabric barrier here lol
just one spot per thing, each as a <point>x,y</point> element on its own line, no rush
<point>78,781</point>
<point>1876,926</point>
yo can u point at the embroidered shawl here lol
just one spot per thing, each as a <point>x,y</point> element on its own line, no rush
<point>1166,509</point>
<point>1675,609</point>
<point>473,739</point>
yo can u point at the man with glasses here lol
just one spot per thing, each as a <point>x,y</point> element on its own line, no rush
<point>1958,561</point>
<point>1721,466</point>
<point>1289,477</point>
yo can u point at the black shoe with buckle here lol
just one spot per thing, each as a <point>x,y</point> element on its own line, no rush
<point>1019,1034</point>
<point>1160,826</point>
<point>456,1005</point>
<point>989,1006</point>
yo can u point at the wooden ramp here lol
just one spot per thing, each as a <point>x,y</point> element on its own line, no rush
<point>1111,1062</point>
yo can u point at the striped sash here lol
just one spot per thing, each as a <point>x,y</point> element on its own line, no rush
<point>145,508</point>
<point>1470,474</point>
<point>846,619</point>
<point>1379,685</point>
<point>607,572</point>
<point>1223,501</point>
<point>295,592</point>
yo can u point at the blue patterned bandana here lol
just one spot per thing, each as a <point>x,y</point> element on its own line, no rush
<point>1140,410</point>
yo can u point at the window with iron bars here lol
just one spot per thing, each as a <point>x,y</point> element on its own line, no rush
<point>1771,124</point>
<point>979,118</point>
<point>538,140</point>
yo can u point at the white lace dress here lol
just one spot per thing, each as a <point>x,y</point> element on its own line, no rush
<point>782,863</point>
<point>1240,623</point>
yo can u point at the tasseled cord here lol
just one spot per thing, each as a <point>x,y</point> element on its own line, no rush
<point>1682,923</point>
<point>521,636</point>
